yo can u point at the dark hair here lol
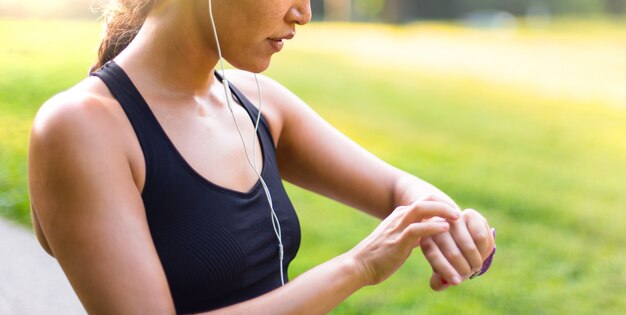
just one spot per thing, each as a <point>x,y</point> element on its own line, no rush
<point>124,19</point>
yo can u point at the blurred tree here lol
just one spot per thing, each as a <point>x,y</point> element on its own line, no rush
<point>367,10</point>
<point>615,7</point>
<point>408,10</point>
<point>317,9</point>
<point>337,10</point>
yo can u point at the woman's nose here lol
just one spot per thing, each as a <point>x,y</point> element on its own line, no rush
<point>300,13</point>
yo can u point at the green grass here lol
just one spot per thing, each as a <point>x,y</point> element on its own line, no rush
<point>549,171</point>
<point>37,60</point>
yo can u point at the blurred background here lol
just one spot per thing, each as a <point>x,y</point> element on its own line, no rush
<point>516,108</point>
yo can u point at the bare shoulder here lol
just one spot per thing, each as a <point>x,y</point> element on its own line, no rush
<point>86,106</point>
<point>85,120</point>
<point>85,125</point>
<point>88,206</point>
<point>72,132</point>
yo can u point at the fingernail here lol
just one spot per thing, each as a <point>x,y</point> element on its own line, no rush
<point>443,281</point>
<point>456,280</point>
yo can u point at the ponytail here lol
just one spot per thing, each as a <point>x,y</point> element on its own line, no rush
<point>124,19</point>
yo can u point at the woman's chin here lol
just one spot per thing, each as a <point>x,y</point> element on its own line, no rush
<point>257,66</point>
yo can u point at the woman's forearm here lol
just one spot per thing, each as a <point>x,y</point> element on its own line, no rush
<point>409,188</point>
<point>316,291</point>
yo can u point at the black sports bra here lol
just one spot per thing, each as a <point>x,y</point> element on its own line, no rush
<point>217,245</point>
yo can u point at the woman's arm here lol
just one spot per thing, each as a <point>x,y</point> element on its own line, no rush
<point>314,155</point>
<point>90,210</point>
<point>91,213</point>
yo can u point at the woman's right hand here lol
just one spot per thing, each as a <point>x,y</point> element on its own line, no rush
<point>383,252</point>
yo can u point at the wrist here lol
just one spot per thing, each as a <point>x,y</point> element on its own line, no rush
<point>353,267</point>
<point>409,189</point>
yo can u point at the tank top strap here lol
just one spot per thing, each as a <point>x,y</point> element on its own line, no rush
<point>125,92</point>
<point>144,123</point>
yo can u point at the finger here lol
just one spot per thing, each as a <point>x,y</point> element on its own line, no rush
<point>414,232</point>
<point>441,198</point>
<point>481,235</point>
<point>446,244</point>
<point>492,238</point>
<point>421,210</point>
<point>438,261</point>
<point>438,283</point>
<point>465,243</point>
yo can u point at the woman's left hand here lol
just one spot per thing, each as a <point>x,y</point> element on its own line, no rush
<point>457,254</point>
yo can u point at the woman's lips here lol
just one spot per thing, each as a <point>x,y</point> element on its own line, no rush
<point>278,42</point>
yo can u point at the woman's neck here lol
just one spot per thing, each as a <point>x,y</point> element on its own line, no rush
<point>171,54</point>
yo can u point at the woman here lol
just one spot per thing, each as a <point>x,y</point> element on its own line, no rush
<point>141,187</point>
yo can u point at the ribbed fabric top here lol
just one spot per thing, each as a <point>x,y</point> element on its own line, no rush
<point>217,245</point>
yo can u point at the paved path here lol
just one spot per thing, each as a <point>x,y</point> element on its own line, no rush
<point>31,282</point>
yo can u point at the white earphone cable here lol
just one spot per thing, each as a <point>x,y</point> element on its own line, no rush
<point>252,163</point>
